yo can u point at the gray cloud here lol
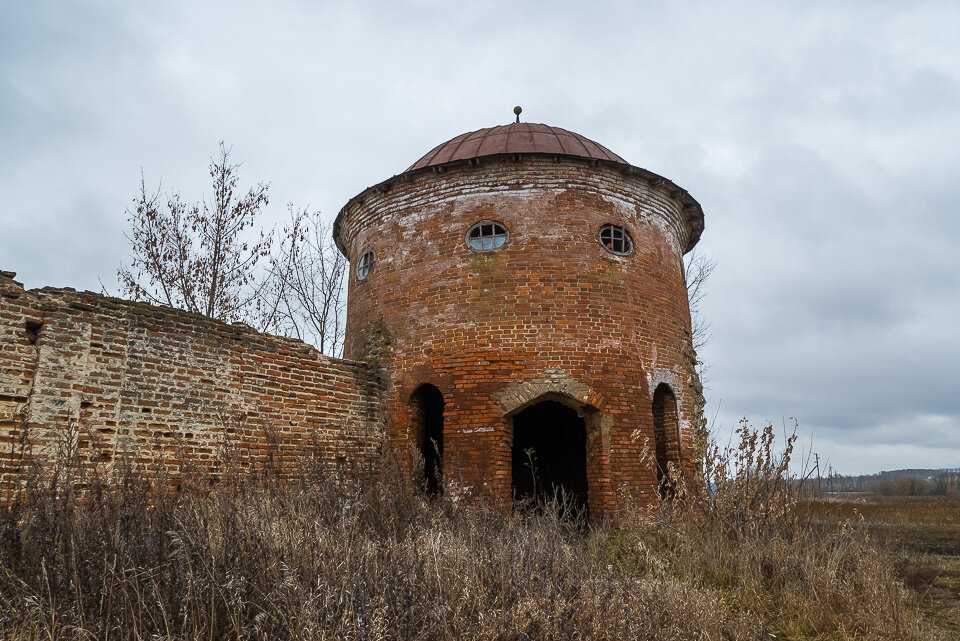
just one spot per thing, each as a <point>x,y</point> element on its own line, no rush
<point>820,140</point>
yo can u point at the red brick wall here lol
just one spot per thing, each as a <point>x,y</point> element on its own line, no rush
<point>168,384</point>
<point>551,313</point>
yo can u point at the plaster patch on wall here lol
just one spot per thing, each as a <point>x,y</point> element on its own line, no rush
<point>490,195</point>
<point>477,430</point>
<point>604,425</point>
<point>62,368</point>
<point>663,375</point>
<point>658,375</point>
<point>653,213</point>
<point>668,228</point>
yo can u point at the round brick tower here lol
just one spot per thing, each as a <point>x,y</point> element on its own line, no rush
<point>521,288</point>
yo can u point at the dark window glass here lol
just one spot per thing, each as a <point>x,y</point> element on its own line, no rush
<point>487,235</point>
<point>367,262</point>
<point>616,239</point>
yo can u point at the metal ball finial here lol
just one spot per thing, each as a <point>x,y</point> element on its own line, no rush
<point>517,111</point>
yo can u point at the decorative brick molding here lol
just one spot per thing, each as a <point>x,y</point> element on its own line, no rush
<point>555,385</point>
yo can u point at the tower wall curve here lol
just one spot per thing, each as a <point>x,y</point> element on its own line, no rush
<point>552,314</point>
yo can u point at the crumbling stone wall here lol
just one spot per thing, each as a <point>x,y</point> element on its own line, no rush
<point>171,386</point>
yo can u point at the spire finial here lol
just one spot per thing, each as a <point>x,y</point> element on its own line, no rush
<point>517,111</point>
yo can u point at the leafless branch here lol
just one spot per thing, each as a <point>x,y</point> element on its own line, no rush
<point>697,271</point>
<point>214,258</point>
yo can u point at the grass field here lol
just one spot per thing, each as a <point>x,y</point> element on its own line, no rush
<point>922,533</point>
<point>119,556</point>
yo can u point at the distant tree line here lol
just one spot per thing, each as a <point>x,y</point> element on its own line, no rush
<point>916,482</point>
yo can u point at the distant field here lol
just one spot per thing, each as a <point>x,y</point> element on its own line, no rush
<point>923,532</point>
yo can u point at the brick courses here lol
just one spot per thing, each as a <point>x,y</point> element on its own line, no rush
<point>551,315</point>
<point>166,384</point>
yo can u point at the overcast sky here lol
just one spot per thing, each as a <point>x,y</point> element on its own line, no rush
<point>821,139</point>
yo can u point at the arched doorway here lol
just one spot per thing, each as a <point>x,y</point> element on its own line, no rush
<point>666,435</point>
<point>550,454</point>
<point>426,405</point>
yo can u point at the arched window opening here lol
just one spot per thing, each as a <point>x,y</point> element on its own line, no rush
<point>666,436</point>
<point>368,260</point>
<point>550,455</point>
<point>427,409</point>
<point>487,235</point>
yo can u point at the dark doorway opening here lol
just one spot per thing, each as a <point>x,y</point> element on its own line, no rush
<point>666,436</point>
<point>427,404</point>
<point>550,454</point>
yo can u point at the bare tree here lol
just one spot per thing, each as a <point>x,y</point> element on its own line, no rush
<point>305,294</point>
<point>697,271</point>
<point>214,258</point>
<point>199,257</point>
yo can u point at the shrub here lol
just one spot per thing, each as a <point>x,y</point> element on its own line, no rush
<point>901,486</point>
<point>743,534</point>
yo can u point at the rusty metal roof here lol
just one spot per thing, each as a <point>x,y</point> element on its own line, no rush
<point>528,138</point>
<point>516,138</point>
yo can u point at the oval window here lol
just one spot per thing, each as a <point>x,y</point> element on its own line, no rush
<point>368,261</point>
<point>487,235</point>
<point>616,239</point>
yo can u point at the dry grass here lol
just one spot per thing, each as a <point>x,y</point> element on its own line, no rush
<point>924,524</point>
<point>922,533</point>
<point>322,560</point>
<point>325,559</point>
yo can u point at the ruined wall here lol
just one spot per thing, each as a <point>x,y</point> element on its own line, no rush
<point>171,386</point>
<point>552,312</point>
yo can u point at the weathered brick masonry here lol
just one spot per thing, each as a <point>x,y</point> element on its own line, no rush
<point>167,384</point>
<point>549,352</point>
<point>550,316</point>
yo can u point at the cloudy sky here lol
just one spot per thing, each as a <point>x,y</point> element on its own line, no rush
<point>821,139</point>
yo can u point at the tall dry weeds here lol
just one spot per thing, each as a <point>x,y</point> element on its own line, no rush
<point>742,534</point>
<point>323,558</point>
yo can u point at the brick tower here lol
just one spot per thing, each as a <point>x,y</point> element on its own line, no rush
<point>521,288</point>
